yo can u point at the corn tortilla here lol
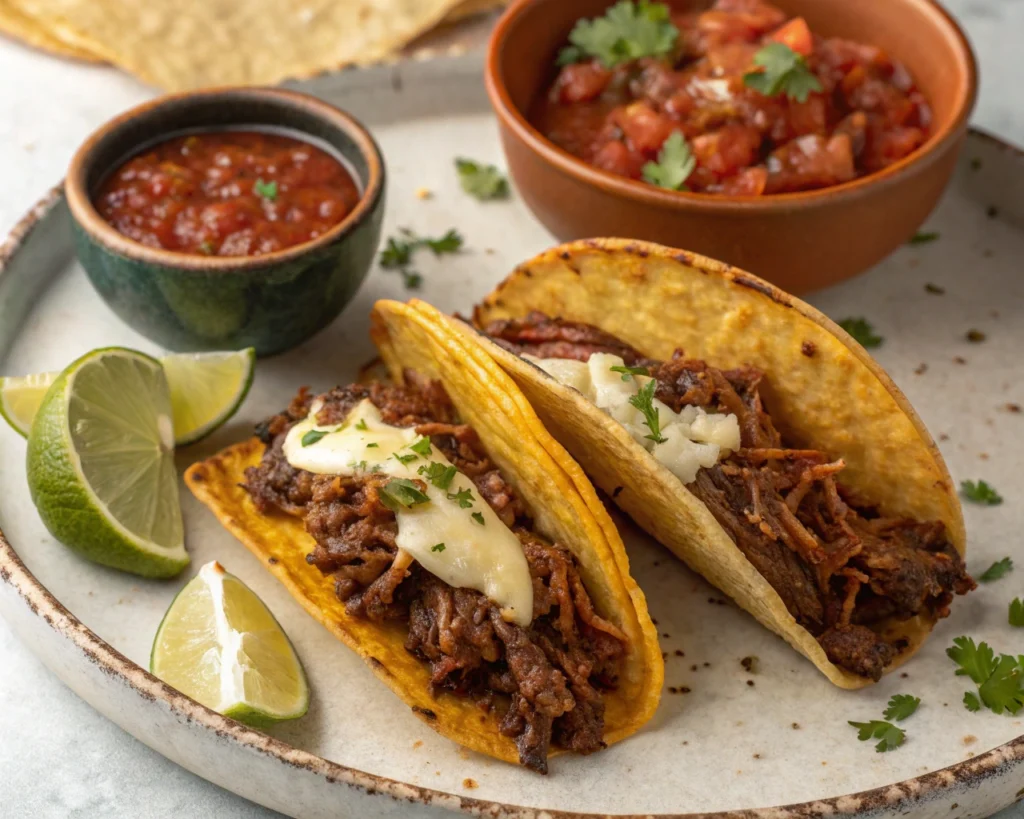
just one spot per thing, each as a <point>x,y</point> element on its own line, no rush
<point>33,33</point>
<point>837,399</point>
<point>563,503</point>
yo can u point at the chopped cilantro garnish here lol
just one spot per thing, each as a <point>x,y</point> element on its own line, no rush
<point>438,474</point>
<point>464,498</point>
<point>628,31</point>
<point>411,279</point>
<point>437,548</point>
<point>421,446</point>
<point>481,181</point>
<point>404,459</point>
<point>629,372</point>
<point>980,492</point>
<point>313,436</point>
<point>449,243</point>
<point>674,166</point>
<point>891,737</point>
<point>923,238</point>
<point>266,190</point>
<point>397,253</point>
<point>999,569</point>
<point>862,331</point>
<point>401,492</point>
<point>783,71</point>
<point>901,706</point>
<point>1016,617</point>
<point>479,518</point>
<point>357,466</point>
<point>361,424</point>
<point>1000,681</point>
<point>644,401</point>
<point>372,445</point>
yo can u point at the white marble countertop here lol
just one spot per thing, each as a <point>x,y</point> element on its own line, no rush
<point>58,757</point>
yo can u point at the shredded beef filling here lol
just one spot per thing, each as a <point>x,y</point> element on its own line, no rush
<point>548,677</point>
<point>840,568</point>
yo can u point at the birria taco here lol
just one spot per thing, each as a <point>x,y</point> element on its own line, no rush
<point>435,527</point>
<point>746,432</point>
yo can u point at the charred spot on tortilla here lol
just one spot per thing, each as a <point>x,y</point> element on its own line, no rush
<point>426,713</point>
<point>809,349</point>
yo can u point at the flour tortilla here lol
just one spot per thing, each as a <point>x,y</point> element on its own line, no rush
<point>825,392</point>
<point>563,503</point>
<point>180,45</point>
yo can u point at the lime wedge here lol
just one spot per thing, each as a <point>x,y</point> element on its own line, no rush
<point>100,462</point>
<point>206,390</point>
<point>220,645</point>
<point>20,399</point>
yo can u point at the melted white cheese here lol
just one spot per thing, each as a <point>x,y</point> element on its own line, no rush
<point>694,438</point>
<point>487,557</point>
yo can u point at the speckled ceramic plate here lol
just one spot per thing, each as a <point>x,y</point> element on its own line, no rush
<point>724,741</point>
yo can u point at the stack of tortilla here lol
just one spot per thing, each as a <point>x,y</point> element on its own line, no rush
<point>179,45</point>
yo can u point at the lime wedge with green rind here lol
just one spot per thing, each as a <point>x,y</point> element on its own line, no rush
<point>206,390</point>
<point>100,462</point>
<point>219,644</point>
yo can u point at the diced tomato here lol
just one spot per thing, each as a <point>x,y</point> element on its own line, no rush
<point>645,128</point>
<point>758,14</point>
<point>891,145</point>
<point>796,34</point>
<point>582,82</point>
<point>809,162</point>
<point>617,158</point>
<point>846,54</point>
<point>728,150</point>
<point>748,182</point>
<point>807,117</point>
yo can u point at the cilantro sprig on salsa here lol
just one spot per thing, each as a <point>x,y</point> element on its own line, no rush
<point>628,31</point>
<point>780,70</point>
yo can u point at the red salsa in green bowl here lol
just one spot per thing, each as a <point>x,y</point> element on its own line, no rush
<point>737,99</point>
<point>228,193</point>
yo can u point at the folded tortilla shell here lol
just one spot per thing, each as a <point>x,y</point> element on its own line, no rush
<point>824,392</point>
<point>563,503</point>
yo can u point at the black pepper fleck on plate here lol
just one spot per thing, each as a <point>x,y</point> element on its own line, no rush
<point>935,289</point>
<point>921,369</point>
<point>749,664</point>
<point>991,211</point>
<point>750,683</point>
<point>959,359</point>
<point>975,336</point>
<point>680,653</point>
<point>1014,408</point>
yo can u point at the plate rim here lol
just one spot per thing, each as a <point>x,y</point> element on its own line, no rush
<point>44,605</point>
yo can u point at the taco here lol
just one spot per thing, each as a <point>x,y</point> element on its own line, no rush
<point>747,433</point>
<point>434,527</point>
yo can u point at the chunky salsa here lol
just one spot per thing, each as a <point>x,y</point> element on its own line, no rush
<point>736,99</point>
<point>228,193</point>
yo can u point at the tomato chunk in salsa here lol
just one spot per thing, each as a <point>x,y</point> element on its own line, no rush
<point>228,193</point>
<point>844,109</point>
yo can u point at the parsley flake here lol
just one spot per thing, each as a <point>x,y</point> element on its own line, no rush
<point>464,498</point>
<point>265,190</point>
<point>437,548</point>
<point>891,737</point>
<point>1000,680</point>
<point>438,474</point>
<point>980,492</point>
<point>1016,616</point>
<point>629,372</point>
<point>402,493</point>
<point>313,436</point>
<point>862,331</point>
<point>675,164</point>
<point>923,238</point>
<point>421,446</point>
<point>481,181</point>
<point>901,706</point>
<point>361,424</point>
<point>999,569</point>
<point>627,31</point>
<point>644,401</point>
<point>479,518</point>
<point>783,71</point>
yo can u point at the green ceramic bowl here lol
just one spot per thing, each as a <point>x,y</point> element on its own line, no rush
<point>189,302</point>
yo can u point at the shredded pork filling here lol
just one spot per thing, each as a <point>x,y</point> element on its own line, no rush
<point>548,678</point>
<point>840,568</point>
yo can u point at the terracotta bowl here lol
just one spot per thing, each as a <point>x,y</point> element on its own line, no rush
<point>186,301</point>
<point>798,241</point>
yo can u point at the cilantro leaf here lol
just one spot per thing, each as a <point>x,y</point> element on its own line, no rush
<point>1004,689</point>
<point>463,497</point>
<point>997,570</point>
<point>629,372</point>
<point>971,701</point>
<point>401,493</point>
<point>628,31</point>
<point>396,253</point>
<point>421,446</point>
<point>438,474</point>
<point>437,548</point>
<point>361,424</point>
<point>478,517</point>
<point>674,166</point>
<point>1016,617</point>
<point>901,706</point>
<point>644,401</point>
<point>980,492</point>
<point>975,661</point>
<point>481,181</point>
<point>404,459</point>
<point>313,436</point>
<point>862,331</point>
<point>923,238</point>
<point>265,190</point>
<point>411,279</point>
<point>372,445</point>
<point>783,71</point>
<point>449,243</point>
<point>891,737</point>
